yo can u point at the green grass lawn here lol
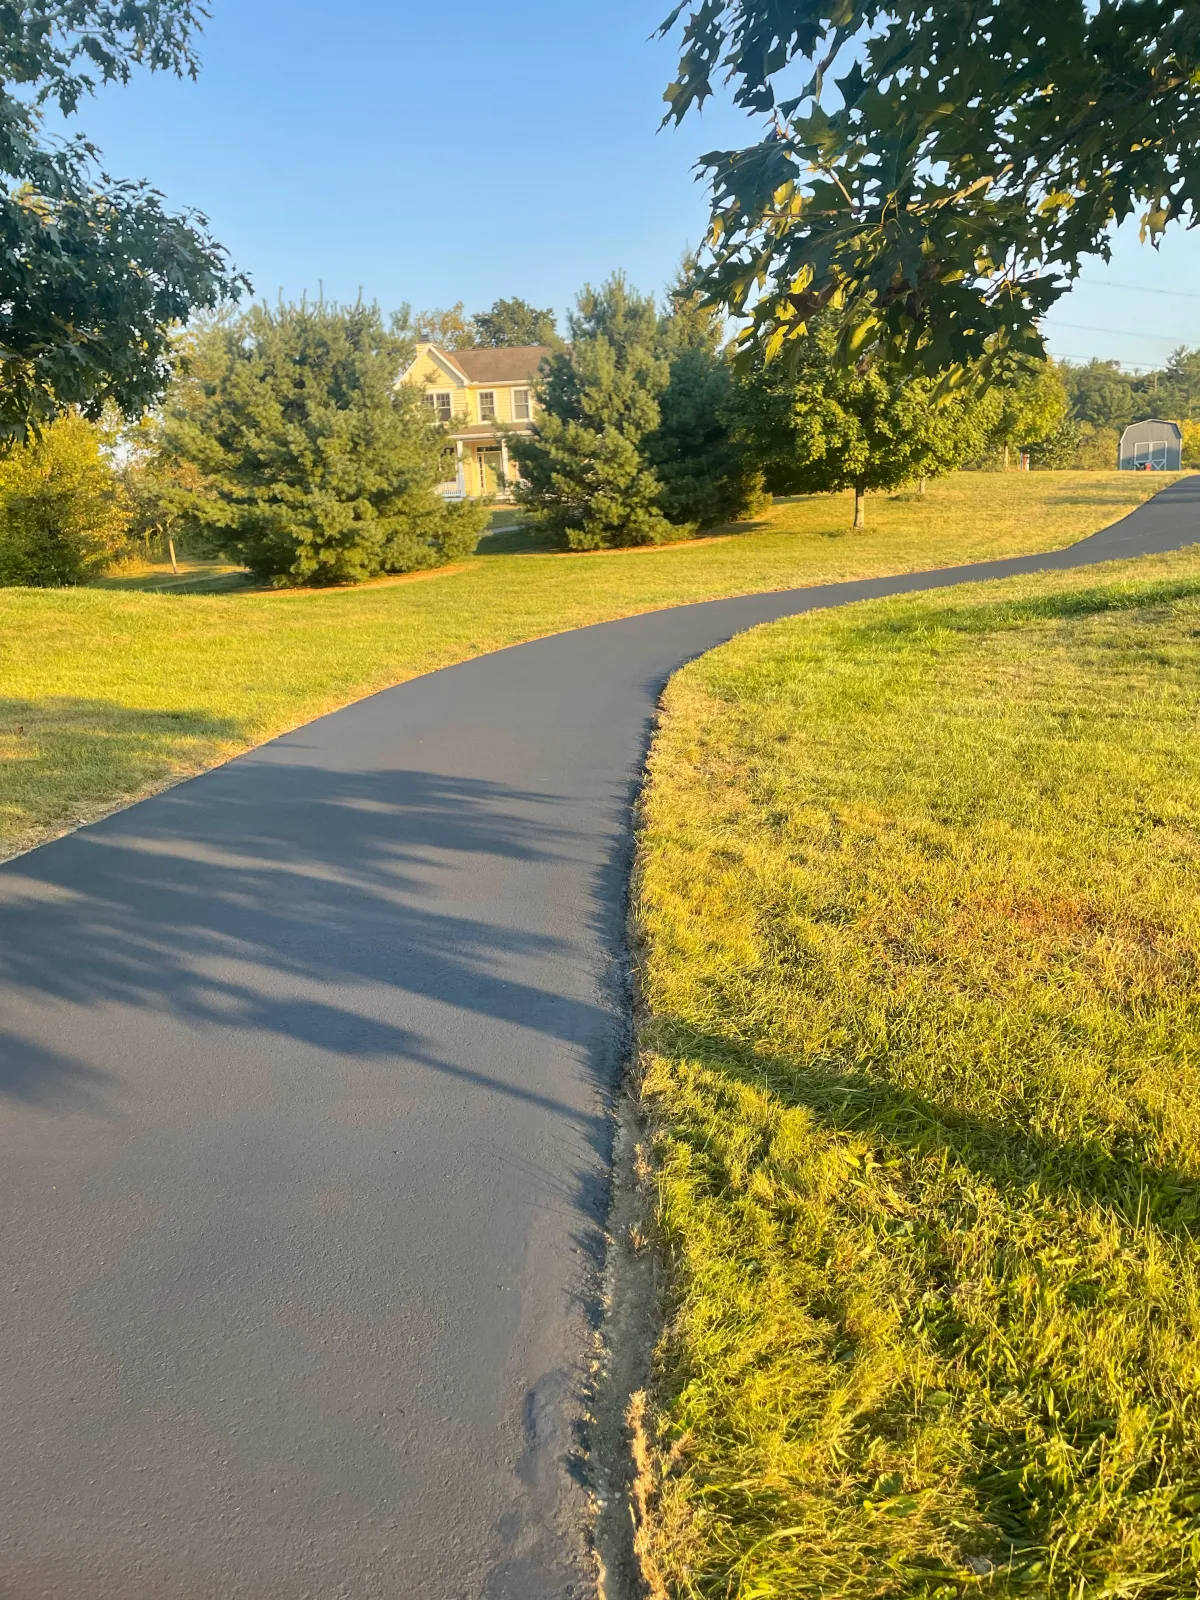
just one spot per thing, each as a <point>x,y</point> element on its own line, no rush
<point>109,693</point>
<point>919,910</point>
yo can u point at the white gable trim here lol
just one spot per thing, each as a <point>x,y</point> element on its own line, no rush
<point>443,359</point>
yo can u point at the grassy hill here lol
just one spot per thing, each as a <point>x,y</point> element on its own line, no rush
<point>108,693</point>
<point>919,902</point>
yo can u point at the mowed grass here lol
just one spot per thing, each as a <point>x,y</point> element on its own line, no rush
<point>107,694</point>
<point>919,911</point>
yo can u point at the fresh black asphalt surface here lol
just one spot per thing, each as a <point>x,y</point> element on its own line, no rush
<point>306,1069</point>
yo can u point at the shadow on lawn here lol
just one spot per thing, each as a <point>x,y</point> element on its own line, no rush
<point>1015,1446</point>
<point>61,754</point>
<point>1018,1163</point>
<point>523,540</point>
<point>913,615</point>
<point>102,722</point>
<point>532,541</point>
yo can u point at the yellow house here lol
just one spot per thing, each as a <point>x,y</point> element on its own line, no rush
<point>481,395</point>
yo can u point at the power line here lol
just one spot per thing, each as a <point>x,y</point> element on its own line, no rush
<point>1111,361</point>
<point>1120,333</point>
<point>1137,288</point>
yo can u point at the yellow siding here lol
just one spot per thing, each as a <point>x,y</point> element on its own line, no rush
<point>431,377</point>
<point>504,402</point>
<point>480,456</point>
<point>430,374</point>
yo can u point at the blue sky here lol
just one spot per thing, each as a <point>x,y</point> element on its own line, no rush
<point>471,150</point>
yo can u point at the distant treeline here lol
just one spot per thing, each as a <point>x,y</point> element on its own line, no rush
<point>1104,396</point>
<point>1104,399</point>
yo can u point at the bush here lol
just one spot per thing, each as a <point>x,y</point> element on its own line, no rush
<point>310,464</point>
<point>1076,447</point>
<point>1058,450</point>
<point>1097,449</point>
<point>62,515</point>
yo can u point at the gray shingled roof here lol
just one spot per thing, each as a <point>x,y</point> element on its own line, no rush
<point>519,365</point>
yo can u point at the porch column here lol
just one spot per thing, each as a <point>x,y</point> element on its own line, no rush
<point>459,477</point>
<point>504,463</point>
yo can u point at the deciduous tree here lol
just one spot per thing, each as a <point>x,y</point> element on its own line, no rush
<point>509,324</point>
<point>1100,393</point>
<point>94,273</point>
<point>451,329</point>
<point>1028,409</point>
<point>62,514</point>
<point>940,168</point>
<point>818,426</point>
<point>513,323</point>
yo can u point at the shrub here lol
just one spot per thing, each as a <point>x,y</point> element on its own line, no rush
<point>1058,450</point>
<point>62,515</point>
<point>1076,447</point>
<point>1096,449</point>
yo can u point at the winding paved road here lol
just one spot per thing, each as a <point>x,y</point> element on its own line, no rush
<point>305,1073</point>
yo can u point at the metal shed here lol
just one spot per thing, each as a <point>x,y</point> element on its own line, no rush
<point>1152,444</point>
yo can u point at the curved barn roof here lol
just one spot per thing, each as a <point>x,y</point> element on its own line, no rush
<point>1153,422</point>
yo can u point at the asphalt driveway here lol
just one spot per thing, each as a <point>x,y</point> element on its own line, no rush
<point>305,1077</point>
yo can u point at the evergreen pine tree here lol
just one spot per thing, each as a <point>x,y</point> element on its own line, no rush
<point>584,472</point>
<point>312,464</point>
<point>707,473</point>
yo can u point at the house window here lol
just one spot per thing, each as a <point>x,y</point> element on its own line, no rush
<point>520,405</point>
<point>442,405</point>
<point>487,406</point>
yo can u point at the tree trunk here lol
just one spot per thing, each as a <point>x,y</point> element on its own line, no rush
<point>860,506</point>
<point>1006,455</point>
<point>174,563</point>
<point>921,490</point>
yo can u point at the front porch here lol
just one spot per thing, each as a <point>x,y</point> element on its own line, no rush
<point>482,467</point>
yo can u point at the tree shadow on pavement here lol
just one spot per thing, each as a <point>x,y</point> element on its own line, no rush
<point>302,903</point>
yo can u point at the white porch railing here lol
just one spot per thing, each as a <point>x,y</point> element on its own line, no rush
<point>451,491</point>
